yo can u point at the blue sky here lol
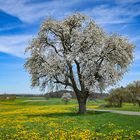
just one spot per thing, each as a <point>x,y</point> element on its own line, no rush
<point>20,21</point>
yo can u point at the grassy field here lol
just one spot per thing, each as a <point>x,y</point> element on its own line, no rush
<point>125,106</point>
<point>39,119</point>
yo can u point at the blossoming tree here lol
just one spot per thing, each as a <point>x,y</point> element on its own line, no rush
<point>77,53</point>
<point>134,92</point>
<point>66,97</point>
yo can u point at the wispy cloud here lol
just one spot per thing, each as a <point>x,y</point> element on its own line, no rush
<point>105,14</point>
<point>14,45</point>
<point>9,27</point>
<point>30,12</point>
<point>126,1</point>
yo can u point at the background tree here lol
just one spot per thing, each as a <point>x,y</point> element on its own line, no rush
<point>77,53</point>
<point>118,96</point>
<point>66,97</point>
<point>134,93</point>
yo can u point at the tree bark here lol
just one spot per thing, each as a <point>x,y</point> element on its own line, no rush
<point>120,103</point>
<point>82,104</point>
<point>139,103</point>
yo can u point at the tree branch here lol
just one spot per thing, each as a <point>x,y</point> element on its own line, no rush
<point>75,88</point>
<point>66,83</point>
<point>79,75</point>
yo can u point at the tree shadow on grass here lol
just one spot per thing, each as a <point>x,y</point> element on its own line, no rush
<point>74,114</point>
<point>96,112</point>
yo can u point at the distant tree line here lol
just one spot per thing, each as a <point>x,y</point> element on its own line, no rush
<point>59,94</point>
<point>29,95</point>
<point>129,94</point>
<point>4,97</point>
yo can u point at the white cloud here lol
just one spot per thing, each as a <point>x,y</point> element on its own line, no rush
<point>32,12</point>
<point>104,14</point>
<point>9,27</point>
<point>126,1</point>
<point>14,45</point>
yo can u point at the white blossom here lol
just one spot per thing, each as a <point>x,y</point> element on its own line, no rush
<point>76,52</point>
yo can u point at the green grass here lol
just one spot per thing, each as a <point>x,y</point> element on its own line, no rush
<point>40,116</point>
<point>126,107</point>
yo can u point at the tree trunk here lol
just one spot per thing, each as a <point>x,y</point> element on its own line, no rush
<point>82,104</point>
<point>120,103</point>
<point>139,103</point>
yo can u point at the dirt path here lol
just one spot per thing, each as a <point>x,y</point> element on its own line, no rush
<point>118,111</point>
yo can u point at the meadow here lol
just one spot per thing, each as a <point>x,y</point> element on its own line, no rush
<point>35,118</point>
